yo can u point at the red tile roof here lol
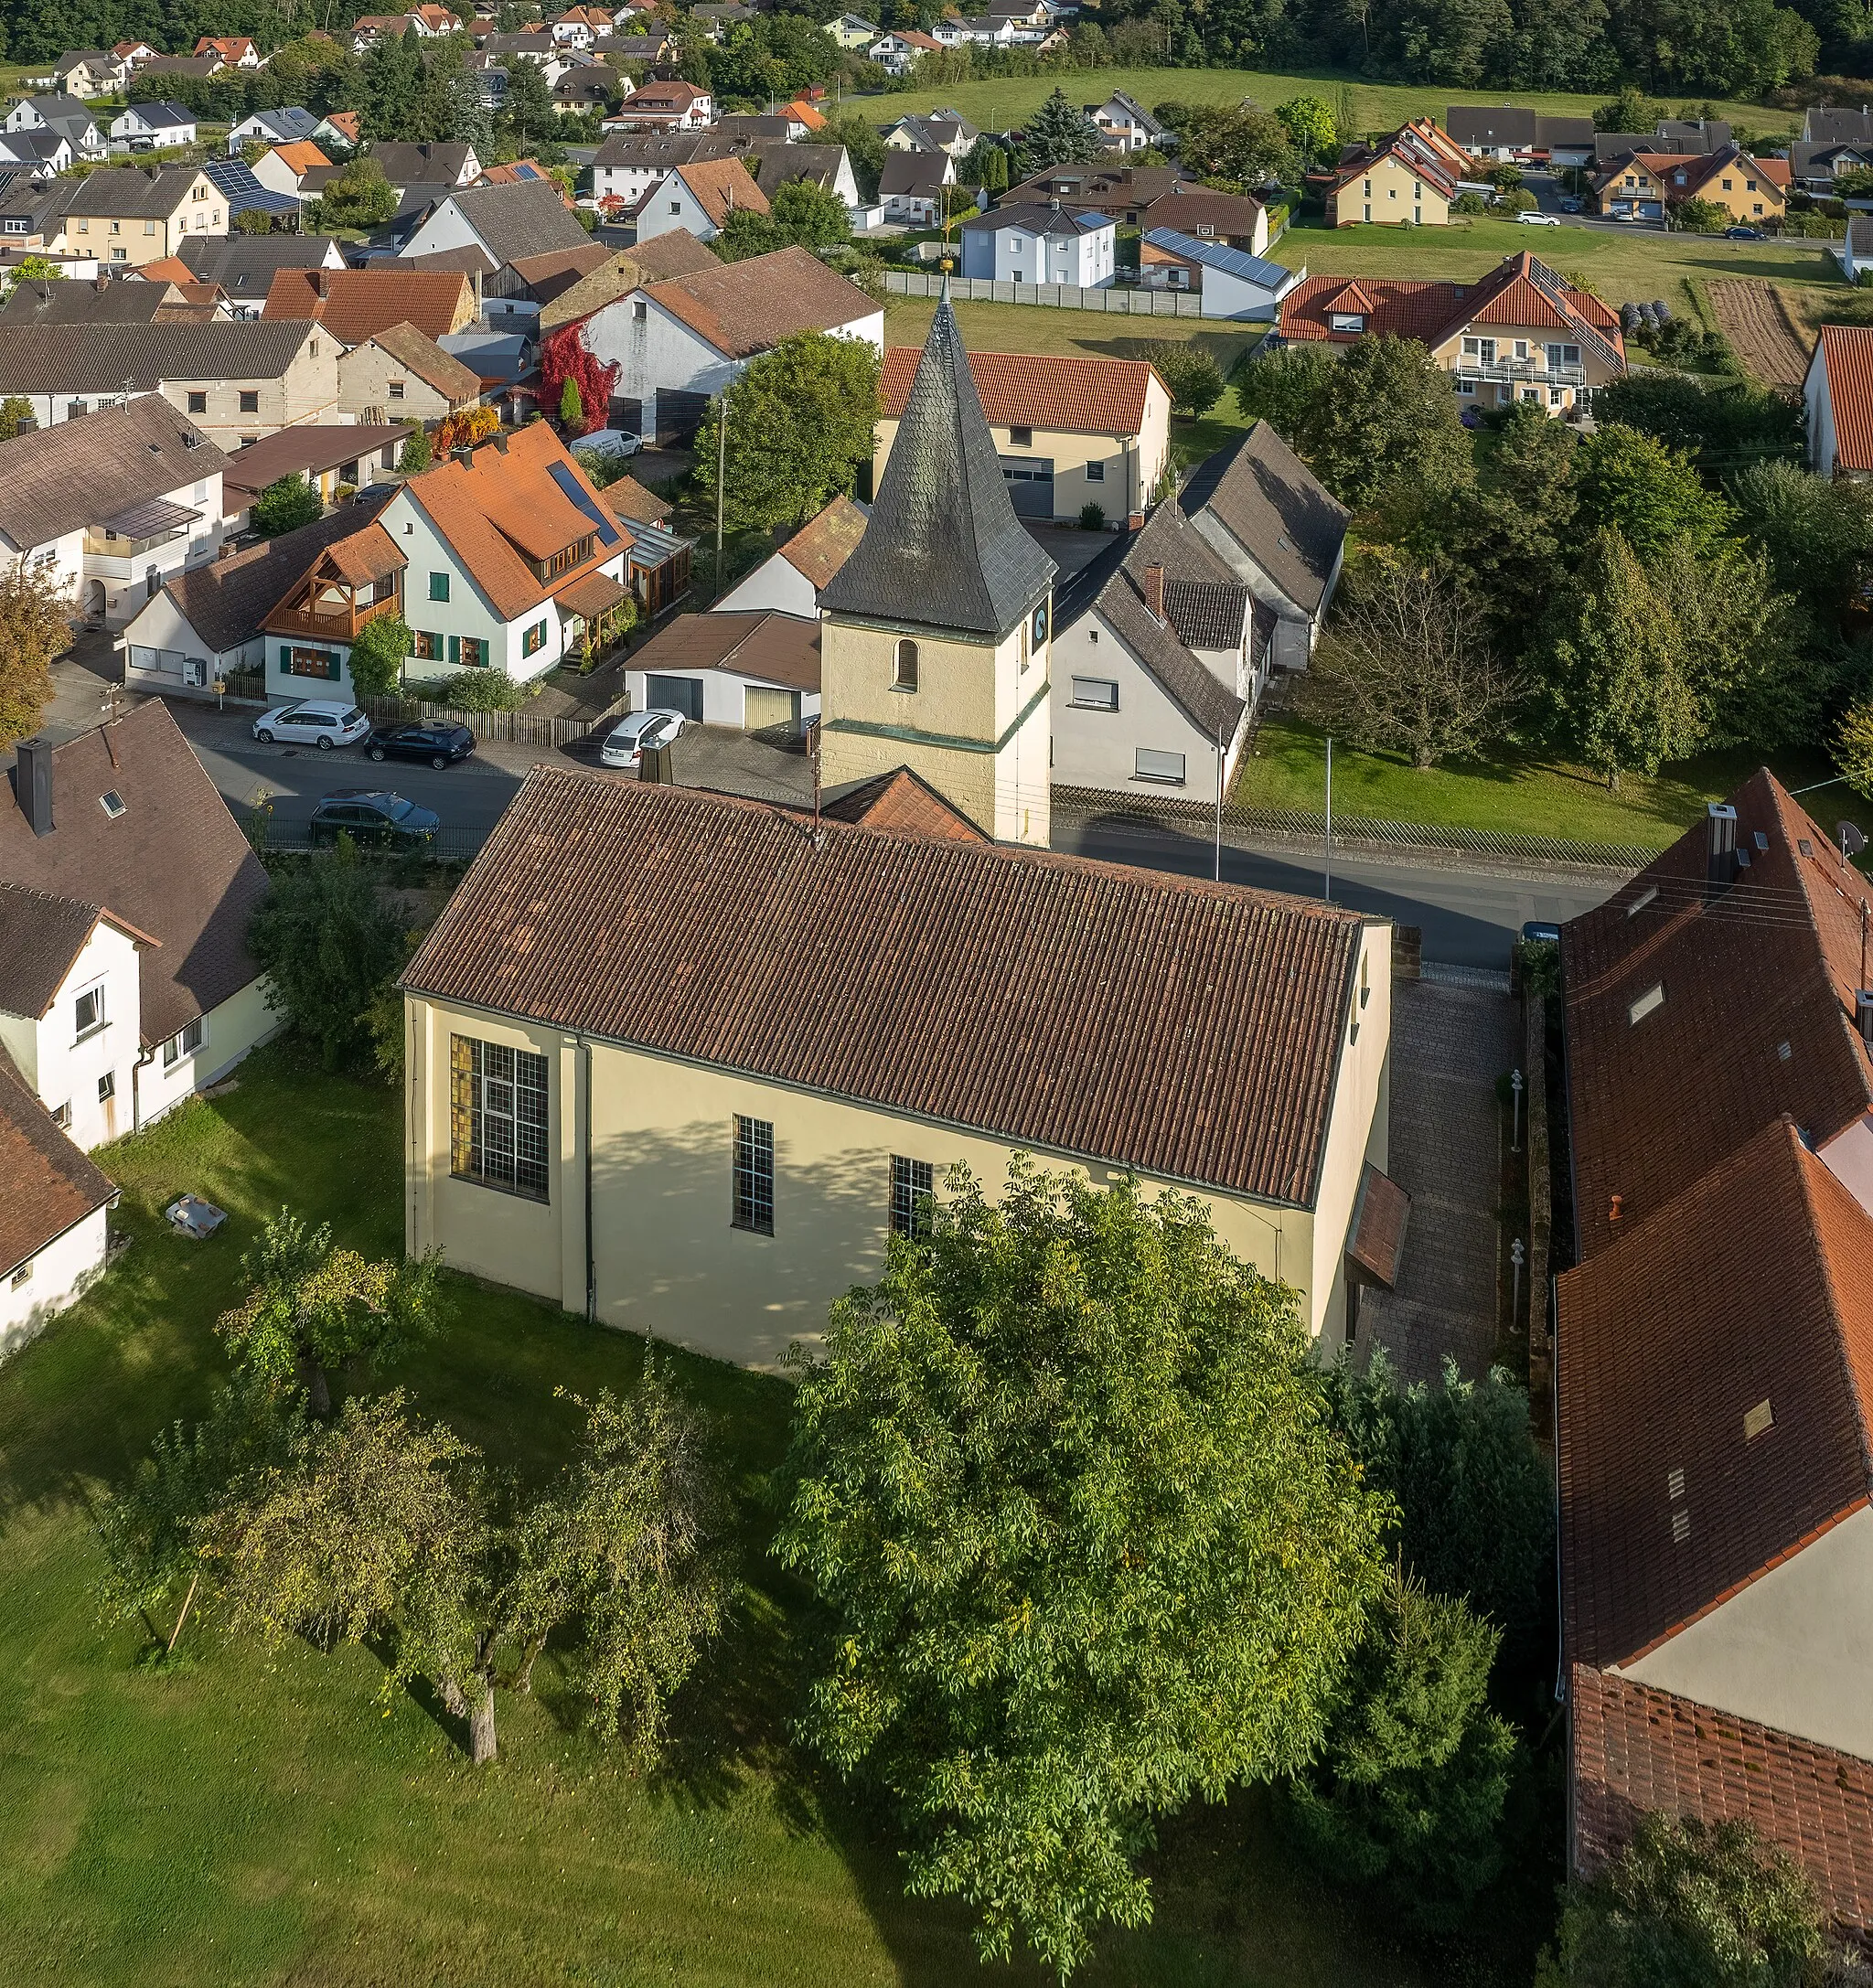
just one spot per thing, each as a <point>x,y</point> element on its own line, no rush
<point>1520,290</point>
<point>1636,1750</point>
<point>742,308</point>
<point>1757,1017</point>
<point>722,188</point>
<point>1191,1029</point>
<point>902,803</point>
<point>1074,396</point>
<point>1846,355</point>
<point>1669,1503</point>
<point>823,544</point>
<point>356,303</point>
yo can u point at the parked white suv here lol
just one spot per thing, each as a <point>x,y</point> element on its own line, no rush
<point>625,745</point>
<point>312,722</point>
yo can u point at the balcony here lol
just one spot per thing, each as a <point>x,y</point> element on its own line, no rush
<point>338,624</point>
<point>1531,372</point>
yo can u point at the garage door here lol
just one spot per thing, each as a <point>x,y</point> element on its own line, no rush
<point>1030,485</point>
<point>679,415</point>
<point>767,707</point>
<point>675,694</point>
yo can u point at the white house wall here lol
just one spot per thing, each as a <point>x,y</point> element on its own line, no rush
<point>158,644</point>
<point>1099,748</point>
<point>65,1070</point>
<point>1794,1648</point>
<point>775,583</point>
<point>56,1276</point>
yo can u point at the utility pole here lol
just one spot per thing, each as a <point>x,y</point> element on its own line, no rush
<point>721,468</point>
<point>1328,891</point>
<point>1219,808</point>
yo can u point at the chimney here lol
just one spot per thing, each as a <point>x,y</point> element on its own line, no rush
<point>1720,870</point>
<point>320,288</point>
<point>32,783</point>
<point>1154,590</point>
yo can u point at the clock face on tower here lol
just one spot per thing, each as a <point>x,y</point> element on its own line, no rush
<point>1040,628</point>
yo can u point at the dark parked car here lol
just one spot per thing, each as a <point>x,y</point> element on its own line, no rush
<point>439,745</point>
<point>369,816</point>
<point>1744,234</point>
<point>1538,930</point>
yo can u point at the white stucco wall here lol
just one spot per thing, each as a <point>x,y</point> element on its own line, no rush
<point>1095,748</point>
<point>775,583</point>
<point>64,1068</point>
<point>1819,406</point>
<point>157,642</point>
<point>34,1294</point>
<point>1793,1648</point>
<point>1020,255</point>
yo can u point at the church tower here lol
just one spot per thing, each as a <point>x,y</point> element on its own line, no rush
<point>938,629</point>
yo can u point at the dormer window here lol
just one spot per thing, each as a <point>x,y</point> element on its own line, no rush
<point>1346,321</point>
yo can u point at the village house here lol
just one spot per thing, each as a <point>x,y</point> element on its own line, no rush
<point>1038,245</point>
<point>853,32</point>
<point>244,266</point>
<point>506,223</point>
<point>87,72</point>
<point>353,456</point>
<point>899,52</point>
<point>402,374</point>
<point>1067,432</point>
<point>1838,397</point>
<point>1231,283</point>
<point>130,887</point>
<point>1124,124</point>
<point>355,303</point>
<point>283,168</point>
<point>235,380</point>
<point>108,507</point>
<point>291,123</point>
<point>753,670</point>
<point>664,107</point>
<point>1402,179</point>
<point>152,127</point>
<point>934,131</point>
<point>54,1226</point>
<point>1507,135</point>
<point>914,188</point>
<point>791,581</point>
<point>126,216</point>
<point>1716,1540</point>
<point>1523,332</point>
<point>629,163</point>
<point>677,343</point>
<point>1642,185</point>
<point>236,51</point>
<point>700,198</point>
<point>61,115</point>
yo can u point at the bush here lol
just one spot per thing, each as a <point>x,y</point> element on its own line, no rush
<point>1469,203</point>
<point>285,505</point>
<point>416,456</point>
<point>472,691</point>
<point>1092,517</point>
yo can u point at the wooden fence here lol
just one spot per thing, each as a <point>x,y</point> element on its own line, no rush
<point>511,728</point>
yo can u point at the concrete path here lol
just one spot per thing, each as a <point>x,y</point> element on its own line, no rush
<point>1449,1044</point>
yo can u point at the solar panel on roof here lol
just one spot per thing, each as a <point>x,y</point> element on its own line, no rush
<point>575,491</point>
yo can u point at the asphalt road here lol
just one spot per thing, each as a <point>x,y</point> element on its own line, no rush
<point>1468,916</point>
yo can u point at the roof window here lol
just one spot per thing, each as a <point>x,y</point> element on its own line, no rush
<point>1652,998</point>
<point>112,803</point>
<point>1643,900</point>
<point>1758,1421</point>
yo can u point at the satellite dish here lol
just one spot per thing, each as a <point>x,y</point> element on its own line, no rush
<point>1850,838</point>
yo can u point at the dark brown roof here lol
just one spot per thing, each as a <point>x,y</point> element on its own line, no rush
<point>174,864</point>
<point>459,384</point>
<point>1636,1750</point>
<point>1191,1029</point>
<point>1670,1500</point>
<point>1268,500</point>
<point>226,601</point>
<point>81,472</point>
<point>309,450</point>
<point>742,308</point>
<point>98,359</point>
<point>50,1185</point>
<point>902,803</point>
<point>675,253</point>
<point>766,644</point>
<point>1756,1018</point>
<point>40,937</point>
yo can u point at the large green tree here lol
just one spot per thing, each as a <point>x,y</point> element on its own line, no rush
<point>1087,1543</point>
<point>1512,531</point>
<point>1285,388</point>
<point>800,421</point>
<point>1058,133</point>
<point>35,626</point>
<point>1386,426</point>
<point>326,938</point>
<point>1647,492</point>
<point>1688,1906</point>
<point>1245,147</point>
<point>287,503</point>
<point>1817,530</point>
<point>1407,1798</point>
<point>1617,684</point>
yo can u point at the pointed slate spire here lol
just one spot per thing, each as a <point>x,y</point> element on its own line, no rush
<point>943,548</point>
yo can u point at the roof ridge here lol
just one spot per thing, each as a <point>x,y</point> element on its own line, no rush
<point>1805,1184</point>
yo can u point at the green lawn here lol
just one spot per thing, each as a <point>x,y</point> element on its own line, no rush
<point>1522,793</point>
<point>1033,327</point>
<point>251,1821</point>
<point>998,104</point>
<point>1640,264</point>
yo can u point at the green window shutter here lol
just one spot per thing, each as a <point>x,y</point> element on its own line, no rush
<point>285,657</point>
<point>335,665</point>
<point>438,586</point>
<point>454,648</point>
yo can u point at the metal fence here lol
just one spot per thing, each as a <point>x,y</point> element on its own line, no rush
<point>1059,296</point>
<point>1295,825</point>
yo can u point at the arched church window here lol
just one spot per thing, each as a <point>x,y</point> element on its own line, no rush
<point>903,665</point>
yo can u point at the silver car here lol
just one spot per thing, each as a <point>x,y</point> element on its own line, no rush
<point>320,722</point>
<point>625,744</point>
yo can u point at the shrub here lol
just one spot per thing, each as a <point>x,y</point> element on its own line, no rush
<point>472,691</point>
<point>285,505</point>
<point>1092,517</point>
<point>1192,376</point>
<point>416,456</point>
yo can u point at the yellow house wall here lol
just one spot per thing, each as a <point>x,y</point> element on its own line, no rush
<point>143,240</point>
<point>666,1261</point>
<point>1132,463</point>
<point>1742,190</point>
<point>965,691</point>
<point>1391,199</point>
